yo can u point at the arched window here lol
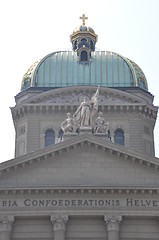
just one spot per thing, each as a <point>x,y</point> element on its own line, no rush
<point>83,41</point>
<point>119,136</point>
<point>84,56</point>
<point>49,137</point>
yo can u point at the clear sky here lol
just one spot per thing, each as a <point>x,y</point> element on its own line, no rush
<point>31,29</point>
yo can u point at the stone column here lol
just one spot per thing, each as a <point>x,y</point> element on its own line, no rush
<point>112,223</point>
<point>59,226</point>
<point>6,223</point>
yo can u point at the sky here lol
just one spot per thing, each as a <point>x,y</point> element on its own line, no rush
<point>31,29</point>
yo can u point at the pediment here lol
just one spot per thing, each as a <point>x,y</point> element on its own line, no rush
<point>74,96</point>
<point>81,161</point>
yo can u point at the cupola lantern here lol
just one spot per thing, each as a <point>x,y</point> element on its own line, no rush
<point>83,41</point>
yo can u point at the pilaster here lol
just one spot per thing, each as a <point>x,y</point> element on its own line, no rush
<point>113,223</point>
<point>59,226</point>
<point>6,223</point>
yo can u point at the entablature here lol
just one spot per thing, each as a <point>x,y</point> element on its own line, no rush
<point>147,111</point>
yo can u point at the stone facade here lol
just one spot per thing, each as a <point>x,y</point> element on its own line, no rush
<point>135,115</point>
<point>94,179</point>
<point>84,186</point>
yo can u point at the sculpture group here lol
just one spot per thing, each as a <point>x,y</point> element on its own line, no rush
<point>83,117</point>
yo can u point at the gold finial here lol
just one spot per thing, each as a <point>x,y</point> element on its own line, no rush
<point>83,19</point>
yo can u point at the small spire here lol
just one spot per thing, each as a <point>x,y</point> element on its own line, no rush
<point>83,19</point>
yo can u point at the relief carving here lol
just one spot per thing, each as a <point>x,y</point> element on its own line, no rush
<point>77,98</point>
<point>21,130</point>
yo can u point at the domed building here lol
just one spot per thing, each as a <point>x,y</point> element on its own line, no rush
<point>85,164</point>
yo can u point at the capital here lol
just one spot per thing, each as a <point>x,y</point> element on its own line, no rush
<point>6,223</point>
<point>59,222</point>
<point>112,222</point>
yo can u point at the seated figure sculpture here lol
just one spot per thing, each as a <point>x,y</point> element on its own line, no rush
<point>100,125</point>
<point>67,124</point>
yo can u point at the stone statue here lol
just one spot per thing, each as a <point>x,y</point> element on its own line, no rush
<point>67,124</point>
<point>100,125</point>
<point>86,110</point>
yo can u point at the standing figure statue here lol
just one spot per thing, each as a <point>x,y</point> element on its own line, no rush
<point>67,124</point>
<point>86,110</point>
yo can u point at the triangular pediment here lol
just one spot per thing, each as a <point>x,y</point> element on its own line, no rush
<point>81,161</point>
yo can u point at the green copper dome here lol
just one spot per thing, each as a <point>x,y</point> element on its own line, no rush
<point>63,69</point>
<point>84,66</point>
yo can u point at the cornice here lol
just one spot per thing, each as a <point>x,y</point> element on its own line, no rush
<point>72,144</point>
<point>147,111</point>
<point>87,190</point>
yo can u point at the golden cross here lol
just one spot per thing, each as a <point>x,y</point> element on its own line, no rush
<point>83,19</point>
